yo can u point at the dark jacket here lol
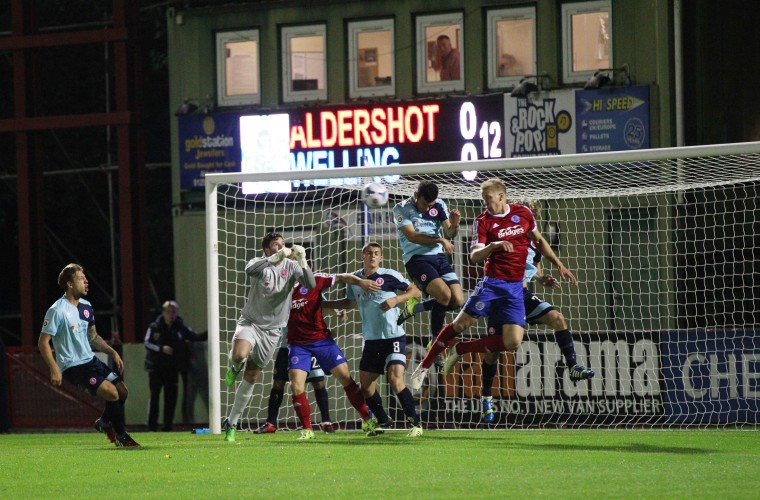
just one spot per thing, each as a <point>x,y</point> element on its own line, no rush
<point>160,334</point>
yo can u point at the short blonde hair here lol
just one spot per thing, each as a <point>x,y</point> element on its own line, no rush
<point>493,184</point>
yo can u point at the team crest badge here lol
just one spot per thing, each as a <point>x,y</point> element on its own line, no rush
<point>433,212</point>
<point>399,218</point>
<point>379,281</point>
<point>283,272</point>
<point>303,290</point>
<point>480,306</point>
<point>294,360</point>
<point>93,380</point>
<point>515,218</point>
<point>423,277</point>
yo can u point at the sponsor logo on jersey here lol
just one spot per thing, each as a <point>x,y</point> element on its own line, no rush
<point>299,304</point>
<point>515,218</point>
<point>433,212</point>
<point>510,231</point>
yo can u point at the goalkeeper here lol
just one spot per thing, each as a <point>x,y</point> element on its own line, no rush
<point>264,314</point>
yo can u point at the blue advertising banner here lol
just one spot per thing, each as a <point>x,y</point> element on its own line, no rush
<point>207,144</point>
<point>711,376</point>
<point>612,119</point>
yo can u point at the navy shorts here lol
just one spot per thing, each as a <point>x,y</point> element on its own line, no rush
<point>322,353</point>
<point>499,300</point>
<point>280,373</point>
<point>425,268</point>
<point>378,355</point>
<point>535,307</point>
<point>88,376</point>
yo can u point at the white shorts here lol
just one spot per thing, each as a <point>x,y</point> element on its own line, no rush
<point>264,342</point>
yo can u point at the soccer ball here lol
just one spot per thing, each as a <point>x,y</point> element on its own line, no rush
<point>374,195</point>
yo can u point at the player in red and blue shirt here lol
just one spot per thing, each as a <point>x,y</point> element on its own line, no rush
<point>501,237</point>
<point>309,337</point>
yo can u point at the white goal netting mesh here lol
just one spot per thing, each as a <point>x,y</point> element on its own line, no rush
<point>667,256</point>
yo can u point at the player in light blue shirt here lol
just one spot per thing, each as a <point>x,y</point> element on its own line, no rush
<point>70,324</point>
<point>384,340</point>
<point>425,226</point>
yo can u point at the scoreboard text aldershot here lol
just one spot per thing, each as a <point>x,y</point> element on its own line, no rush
<point>398,133</point>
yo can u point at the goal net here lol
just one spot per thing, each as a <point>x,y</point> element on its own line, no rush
<point>664,244</point>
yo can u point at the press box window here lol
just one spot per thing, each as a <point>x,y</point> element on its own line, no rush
<point>511,46</point>
<point>586,39</point>
<point>440,54</point>
<point>304,63</point>
<point>371,58</point>
<point>237,76</point>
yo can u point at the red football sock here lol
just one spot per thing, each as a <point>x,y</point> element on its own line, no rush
<point>493,343</point>
<point>444,339</point>
<point>303,410</point>
<point>354,395</point>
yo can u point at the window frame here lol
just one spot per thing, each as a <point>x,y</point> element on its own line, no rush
<point>221,39</point>
<point>353,29</point>
<point>422,22</point>
<point>493,16</point>
<point>286,34</point>
<point>568,11</point>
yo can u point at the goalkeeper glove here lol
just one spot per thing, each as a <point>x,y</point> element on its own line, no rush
<point>281,255</point>
<point>299,253</point>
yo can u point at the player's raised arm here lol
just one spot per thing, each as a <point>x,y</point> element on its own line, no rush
<point>543,246</point>
<point>451,225</point>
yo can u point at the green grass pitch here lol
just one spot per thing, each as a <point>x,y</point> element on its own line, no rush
<point>440,464</point>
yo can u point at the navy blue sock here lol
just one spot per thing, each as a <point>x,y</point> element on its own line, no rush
<point>565,342</point>
<point>407,403</point>
<point>275,400</point>
<point>426,304</point>
<point>115,411</point>
<point>323,401</point>
<point>375,403</point>
<point>488,374</point>
<point>437,319</point>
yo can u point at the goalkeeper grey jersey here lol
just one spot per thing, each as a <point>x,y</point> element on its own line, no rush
<point>268,304</point>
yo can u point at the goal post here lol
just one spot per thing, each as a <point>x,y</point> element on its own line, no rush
<point>664,243</point>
